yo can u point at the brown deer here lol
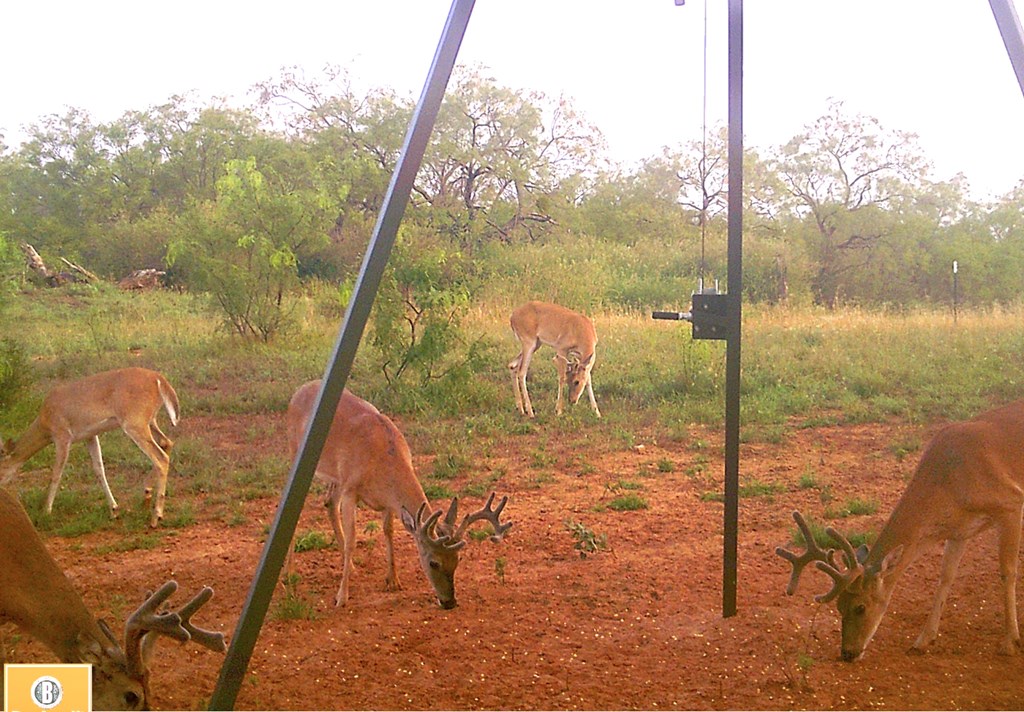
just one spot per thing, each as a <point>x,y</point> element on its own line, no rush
<point>366,459</point>
<point>36,596</point>
<point>970,478</point>
<point>126,398</point>
<point>573,338</point>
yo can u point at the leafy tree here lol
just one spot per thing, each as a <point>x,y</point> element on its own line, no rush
<point>243,247</point>
<point>847,178</point>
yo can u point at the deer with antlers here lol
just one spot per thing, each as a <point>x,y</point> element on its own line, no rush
<point>126,398</point>
<point>366,459</point>
<point>36,596</point>
<point>573,338</point>
<point>970,478</point>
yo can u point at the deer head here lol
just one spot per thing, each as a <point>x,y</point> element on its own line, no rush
<point>121,677</point>
<point>439,541</point>
<point>861,592</point>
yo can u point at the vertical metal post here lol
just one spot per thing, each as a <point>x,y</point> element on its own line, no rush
<point>251,621</point>
<point>735,267</point>
<point>956,290</point>
<point>1013,35</point>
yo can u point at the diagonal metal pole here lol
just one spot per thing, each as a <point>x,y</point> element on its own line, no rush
<point>301,476</point>
<point>735,272</point>
<point>1013,35</point>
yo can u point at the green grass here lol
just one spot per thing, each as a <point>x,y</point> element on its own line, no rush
<point>628,503</point>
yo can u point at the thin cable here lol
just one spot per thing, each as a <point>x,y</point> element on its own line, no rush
<point>704,154</point>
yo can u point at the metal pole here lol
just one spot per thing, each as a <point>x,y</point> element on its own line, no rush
<point>1013,35</point>
<point>956,296</point>
<point>244,639</point>
<point>735,267</point>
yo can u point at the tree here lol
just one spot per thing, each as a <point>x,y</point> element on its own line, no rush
<point>847,178</point>
<point>243,247</point>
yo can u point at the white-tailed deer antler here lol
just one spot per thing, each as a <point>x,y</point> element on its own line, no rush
<point>423,530</point>
<point>485,513</point>
<point>841,580</point>
<point>799,561</point>
<point>970,478</point>
<point>146,624</point>
<point>366,459</point>
<point>36,596</point>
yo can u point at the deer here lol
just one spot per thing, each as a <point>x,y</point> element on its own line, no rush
<point>573,338</point>
<point>367,459</point>
<point>970,478</point>
<point>125,398</point>
<point>37,596</point>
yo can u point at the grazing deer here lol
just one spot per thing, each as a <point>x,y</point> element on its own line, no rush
<point>366,459</point>
<point>970,478</point>
<point>126,398</point>
<point>573,338</point>
<point>36,596</point>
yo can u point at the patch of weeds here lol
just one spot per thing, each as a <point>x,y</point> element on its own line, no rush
<point>293,606</point>
<point>853,508</point>
<point>666,466</point>
<point>437,491</point>
<point>371,527</point>
<point>137,542</point>
<point>628,503</point>
<point>540,479</point>
<point>499,569</point>
<point>808,480</point>
<point>826,494</point>
<point>311,541</point>
<point>903,448</point>
<point>627,438</point>
<point>449,465</point>
<point>587,541</point>
<point>539,459</point>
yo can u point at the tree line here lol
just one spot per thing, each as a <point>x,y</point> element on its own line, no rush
<point>251,204</point>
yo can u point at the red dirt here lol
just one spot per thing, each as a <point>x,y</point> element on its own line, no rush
<point>636,626</point>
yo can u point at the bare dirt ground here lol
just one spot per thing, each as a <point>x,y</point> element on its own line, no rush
<point>638,626</point>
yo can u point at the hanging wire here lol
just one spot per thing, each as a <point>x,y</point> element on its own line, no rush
<point>704,155</point>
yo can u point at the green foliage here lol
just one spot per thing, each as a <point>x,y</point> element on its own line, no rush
<point>15,374</point>
<point>418,313</point>
<point>587,541</point>
<point>293,605</point>
<point>311,541</point>
<point>242,247</point>
<point>628,503</point>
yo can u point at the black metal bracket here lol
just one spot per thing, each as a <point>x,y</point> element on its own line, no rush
<point>710,315</point>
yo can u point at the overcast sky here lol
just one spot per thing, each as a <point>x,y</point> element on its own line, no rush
<point>633,67</point>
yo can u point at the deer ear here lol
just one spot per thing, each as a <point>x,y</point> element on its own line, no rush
<point>408,522</point>
<point>890,561</point>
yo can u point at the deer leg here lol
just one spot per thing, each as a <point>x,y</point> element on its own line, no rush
<point>162,440</point>
<point>563,366</point>
<point>97,466</point>
<point>524,369</point>
<point>391,583</point>
<point>334,514</point>
<point>143,438</point>
<point>590,394</point>
<point>953,552</point>
<point>513,367</point>
<point>1009,550</point>
<point>62,446</point>
<point>348,527</point>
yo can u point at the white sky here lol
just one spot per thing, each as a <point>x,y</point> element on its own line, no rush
<point>633,67</point>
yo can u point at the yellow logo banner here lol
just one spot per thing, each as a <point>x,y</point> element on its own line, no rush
<point>47,688</point>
